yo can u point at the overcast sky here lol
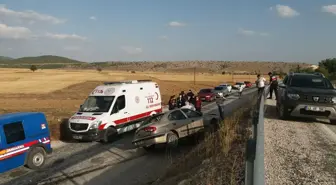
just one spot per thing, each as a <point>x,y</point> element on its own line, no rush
<point>100,30</point>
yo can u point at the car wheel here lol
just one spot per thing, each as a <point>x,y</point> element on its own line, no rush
<point>333,121</point>
<point>36,158</point>
<point>172,140</point>
<point>283,112</point>
<point>109,135</point>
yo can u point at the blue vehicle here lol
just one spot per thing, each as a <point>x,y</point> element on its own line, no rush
<point>24,140</point>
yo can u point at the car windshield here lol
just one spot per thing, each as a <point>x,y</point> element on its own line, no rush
<point>153,119</point>
<point>310,82</point>
<point>219,88</point>
<point>205,91</point>
<point>97,104</point>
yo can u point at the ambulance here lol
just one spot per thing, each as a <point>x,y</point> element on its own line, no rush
<point>115,108</point>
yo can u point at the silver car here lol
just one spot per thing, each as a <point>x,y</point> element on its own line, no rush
<point>168,128</point>
<point>221,91</point>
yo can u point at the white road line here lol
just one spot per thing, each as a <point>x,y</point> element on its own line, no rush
<point>327,130</point>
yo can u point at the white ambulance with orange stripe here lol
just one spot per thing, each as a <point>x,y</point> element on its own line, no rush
<point>114,108</point>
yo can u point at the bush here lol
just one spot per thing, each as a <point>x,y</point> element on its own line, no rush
<point>99,69</point>
<point>33,68</point>
<point>132,71</point>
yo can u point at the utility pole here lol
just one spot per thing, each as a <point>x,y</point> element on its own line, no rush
<point>194,75</point>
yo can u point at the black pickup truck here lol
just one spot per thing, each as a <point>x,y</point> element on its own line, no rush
<point>306,95</point>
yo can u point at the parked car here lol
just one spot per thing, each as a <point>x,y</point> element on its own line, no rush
<point>248,84</point>
<point>167,128</point>
<point>25,140</point>
<point>306,95</point>
<point>229,87</point>
<point>238,84</point>
<point>207,95</point>
<point>221,91</point>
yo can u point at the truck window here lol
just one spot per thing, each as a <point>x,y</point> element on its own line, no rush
<point>97,104</point>
<point>119,104</point>
<point>14,132</point>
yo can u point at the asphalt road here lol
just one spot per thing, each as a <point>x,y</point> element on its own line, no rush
<point>116,163</point>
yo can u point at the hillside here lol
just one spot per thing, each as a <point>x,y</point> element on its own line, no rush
<point>55,62</point>
<point>46,59</point>
<point>3,58</point>
<point>205,66</point>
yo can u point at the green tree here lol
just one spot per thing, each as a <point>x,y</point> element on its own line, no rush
<point>33,68</point>
<point>329,64</point>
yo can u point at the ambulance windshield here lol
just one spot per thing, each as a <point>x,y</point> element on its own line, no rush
<point>97,104</point>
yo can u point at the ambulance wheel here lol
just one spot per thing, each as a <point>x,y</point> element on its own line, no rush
<point>36,158</point>
<point>109,135</point>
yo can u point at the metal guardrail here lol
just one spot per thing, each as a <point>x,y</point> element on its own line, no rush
<point>255,169</point>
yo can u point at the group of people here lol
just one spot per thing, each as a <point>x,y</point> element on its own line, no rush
<point>185,100</point>
<point>273,84</point>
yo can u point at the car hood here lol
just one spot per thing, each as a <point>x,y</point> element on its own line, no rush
<point>204,94</point>
<point>86,117</point>
<point>314,91</point>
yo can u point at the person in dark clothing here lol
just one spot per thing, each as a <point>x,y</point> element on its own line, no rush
<point>219,102</point>
<point>171,103</point>
<point>273,85</point>
<point>198,104</point>
<point>190,94</point>
<point>180,101</point>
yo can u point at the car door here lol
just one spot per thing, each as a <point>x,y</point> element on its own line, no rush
<point>14,139</point>
<point>281,90</point>
<point>179,123</point>
<point>196,120</point>
<point>119,113</point>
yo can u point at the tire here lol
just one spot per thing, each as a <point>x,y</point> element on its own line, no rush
<point>149,148</point>
<point>172,140</point>
<point>333,121</point>
<point>36,158</point>
<point>283,112</point>
<point>109,135</point>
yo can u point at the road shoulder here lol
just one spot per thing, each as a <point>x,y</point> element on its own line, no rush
<point>297,152</point>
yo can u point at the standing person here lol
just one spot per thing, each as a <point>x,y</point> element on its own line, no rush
<point>273,85</point>
<point>171,103</point>
<point>219,102</point>
<point>198,104</point>
<point>240,92</point>
<point>190,93</point>
<point>180,101</point>
<point>260,84</point>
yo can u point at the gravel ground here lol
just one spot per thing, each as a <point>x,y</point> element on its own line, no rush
<point>297,152</point>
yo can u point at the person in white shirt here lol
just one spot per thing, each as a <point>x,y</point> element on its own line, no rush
<point>260,83</point>
<point>240,92</point>
<point>189,105</point>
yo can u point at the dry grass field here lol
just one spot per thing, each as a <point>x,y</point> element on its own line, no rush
<point>58,93</point>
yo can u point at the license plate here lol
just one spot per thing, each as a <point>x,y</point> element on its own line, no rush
<point>77,137</point>
<point>316,109</point>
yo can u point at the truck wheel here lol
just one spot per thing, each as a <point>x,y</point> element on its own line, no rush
<point>36,158</point>
<point>333,121</point>
<point>172,140</point>
<point>109,135</point>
